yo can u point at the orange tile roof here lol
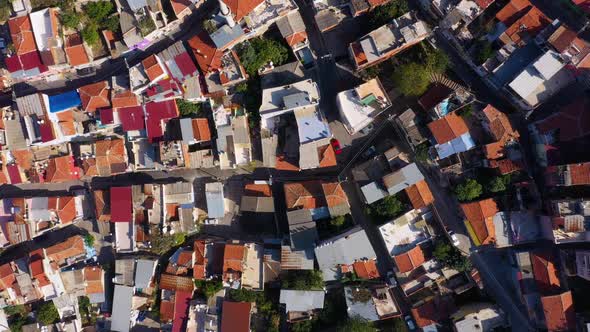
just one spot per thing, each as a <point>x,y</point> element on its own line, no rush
<point>480,215</point>
<point>545,272</point>
<point>176,283</point>
<point>93,277</point>
<point>200,261</point>
<point>580,173</point>
<point>506,166</point>
<point>283,164</point>
<point>71,247</point>
<point>110,158</point>
<point>166,311</point>
<point>179,6</point>
<point>562,38</point>
<point>512,11</point>
<point>23,158</point>
<point>75,50</point>
<point>257,190</point>
<point>366,269</point>
<point>494,150</point>
<point>296,38</point>
<point>66,209</point>
<point>334,193</point>
<point>410,260</point>
<point>7,277</point>
<point>102,205</point>
<point>559,312</point>
<point>529,25</point>
<point>241,8</point>
<point>152,67</point>
<point>304,195</point>
<point>419,194</point>
<point>124,99</point>
<point>327,156</point>
<point>425,314</point>
<point>201,130</point>
<point>448,128</point>
<point>233,257</point>
<point>207,55</point>
<point>500,126</point>
<point>95,96</point>
<point>60,169</point>
<point>21,33</point>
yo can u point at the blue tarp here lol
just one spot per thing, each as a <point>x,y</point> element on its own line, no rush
<point>64,101</point>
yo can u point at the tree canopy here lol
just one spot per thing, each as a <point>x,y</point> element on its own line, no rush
<point>385,13</point>
<point>385,209</point>
<point>303,280</point>
<point>90,33</point>
<point>411,79</point>
<point>468,190</point>
<point>356,324</point>
<point>47,314</point>
<point>99,10</point>
<point>208,287</point>
<point>188,109</point>
<point>498,184</point>
<point>257,52</point>
<point>450,256</point>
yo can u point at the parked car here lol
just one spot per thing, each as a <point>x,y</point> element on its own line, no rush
<point>370,152</point>
<point>410,322</point>
<point>391,279</point>
<point>454,238</point>
<point>336,145</point>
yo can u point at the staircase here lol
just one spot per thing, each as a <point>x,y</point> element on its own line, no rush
<point>442,79</point>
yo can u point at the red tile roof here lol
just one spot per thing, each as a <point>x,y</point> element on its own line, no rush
<point>93,277</point>
<point>241,8</point>
<point>366,269</point>
<point>176,283</point>
<point>327,156</point>
<point>66,209</point>
<point>121,207</point>
<point>152,68</point>
<point>499,125</point>
<point>436,93</point>
<point>207,55</point>
<point>95,96</point>
<point>132,118</point>
<point>545,272</point>
<point>559,312</point>
<point>480,215</point>
<point>410,260</point>
<point>156,114</point>
<point>433,311</point>
<point>562,38</point>
<point>71,247</point>
<point>179,6</point>
<point>571,122</point>
<point>296,38</point>
<point>166,311</point>
<point>258,190</point>
<point>419,194</point>
<point>483,4</point>
<point>507,166</point>
<point>21,33</point>
<point>448,128</point>
<point>7,276</point>
<point>201,130</point>
<point>529,25</point>
<point>235,316</point>
<point>124,99</point>
<point>106,116</point>
<point>512,11</point>
<point>102,205</point>
<point>314,194</point>
<point>61,169</point>
<point>200,261</point>
<point>580,174</point>
<point>75,50</point>
<point>181,304</point>
<point>233,258</point>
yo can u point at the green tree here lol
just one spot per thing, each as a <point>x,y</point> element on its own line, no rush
<point>468,190</point>
<point>146,25</point>
<point>89,240</point>
<point>70,19</point>
<point>386,13</point>
<point>302,326</point>
<point>208,287</point>
<point>90,33</point>
<point>422,152</point>
<point>484,51</point>
<point>188,109</point>
<point>387,208</point>
<point>209,26</point>
<point>356,324</point>
<point>411,79</point>
<point>99,10</point>
<point>47,314</point>
<point>15,310</point>
<point>303,280</point>
<point>4,10</point>
<point>112,23</point>
<point>242,87</point>
<point>496,185</point>
<point>161,244</point>
<point>447,254</point>
<point>257,52</point>
<point>437,61</point>
<point>370,73</point>
<point>338,222</point>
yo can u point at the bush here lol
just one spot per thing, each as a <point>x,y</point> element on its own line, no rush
<point>468,190</point>
<point>484,51</point>
<point>411,79</point>
<point>146,25</point>
<point>437,61</point>
<point>112,23</point>
<point>90,33</point>
<point>89,240</point>
<point>70,19</point>
<point>356,324</point>
<point>303,280</point>
<point>422,152</point>
<point>257,52</point>
<point>162,244</point>
<point>338,221</point>
<point>209,26</point>
<point>386,209</point>
<point>208,287</point>
<point>188,109</point>
<point>98,11</point>
<point>15,310</point>
<point>386,13</point>
<point>445,253</point>
<point>498,183</point>
<point>47,314</point>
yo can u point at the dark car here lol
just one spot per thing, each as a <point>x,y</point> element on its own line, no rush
<point>336,145</point>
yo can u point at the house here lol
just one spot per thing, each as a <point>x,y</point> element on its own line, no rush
<point>148,72</point>
<point>582,264</point>
<point>388,40</point>
<point>411,126</point>
<point>371,303</point>
<point>94,284</point>
<point>124,271</point>
<point>200,260</point>
<point>45,24</point>
<point>121,316</point>
<point>157,115</point>
<point>479,220</point>
<point>466,11</point>
<point>451,135</point>
<point>68,252</point>
<point>145,270</point>
<point>182,69</point>
<point>75,50</point>
<point>520,22</point>
<point>95,96</point>
<point>429,313</point>
<point>215,200</point>
<point>292,29</point>
<point>102,158</point>
<point>360,106</point>
<point>242,265</point>
<point>322,199</point>
<point>343,249</point>
<point>301,305</point>
<point>559,312</point>
<point>403,237</point>
<point>26,62</point>
<point>568,175</point>
<point>257,206</point>
<point>235,316</point>
<point>122,217</point>
<point>479,317</point>
<point>570,220</point>
<point>420,195</point>
<point>541,79</point>
<point>571,122</point>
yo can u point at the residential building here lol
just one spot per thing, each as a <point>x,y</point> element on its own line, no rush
<point>388,40</point>
<point>292,28</point>
<point>360,106</point>
<point>45,24</point>
<point>121,318</point>
<point>461,15</point>
<point>215,200</point>
<point>451,135</point>
<point>480,220</point>
<point>26,61</point>
<point>122,217</point>
<point>235,316</point>
<point>322,199</point>
<point>301,305</point>
<point>559,312</point>
<point>148,72</point>
<point>568,175</point>
<point>479,317</point>
<point>570,220</point>
<point>371,303</point>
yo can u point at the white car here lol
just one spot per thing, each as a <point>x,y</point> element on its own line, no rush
<point>454,238</point>
<point>410,323</point>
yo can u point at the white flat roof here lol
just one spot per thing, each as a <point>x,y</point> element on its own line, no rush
<point>124,238</point>
<point>41,23</point>
<point>272,99</point>
<point>536,74</point>
<point>400,234</point>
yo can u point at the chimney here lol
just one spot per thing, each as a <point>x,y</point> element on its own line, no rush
<point>226,14</point>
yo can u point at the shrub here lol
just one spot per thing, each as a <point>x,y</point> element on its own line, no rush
<point>146,25</point>
<point>70,19</point>
<point>188,109</point>
<point>208,287</point>
<point>411,79</point>
<point>90,33</point>
<point>385,209</point>
<point>257,52</point>
<point>89,240</point>
<point>98,11</point>
<point>468,190</point>
<point>303,280</point>
<point>47,314</point>
<point>386,13</point>
<point>450,256</point>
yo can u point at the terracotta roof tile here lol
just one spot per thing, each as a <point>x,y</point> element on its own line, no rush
<point>545,272</point>
<point>21,33</point>
<point>500,126</point>
<point>334,193</point>
<point>201,130</point>
<point>296,38</point>
<point>425,314</point>
<point>95,96</point>
<point>61,169</point>
<point>366,269</point>
<point>257,190</point>
<point>166,311</point>
<point>419,194</point>
<point>233,257</point>
<point>480,215</point>
<point>448,128</point>
<point>93,277</point>
<point>71,247</point>
<point>152,68</point>
<point>124,99</point>
<point>176,283</point>
<point>102,205</point>
<point>512,11</point>
<point>562,38</point>
<point>571,122</point>
<point>66,209</point>
<point>241,8</point>
<point>410,260</point>
<point>580,173</point>
<point>507,166</point>
<point>207,55</point>
<point>529,25</point>
<point>235,316</point>
<point>304,195</point>
<point>327,156</point>
<point>559,312</point>
<point>75,50</point>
